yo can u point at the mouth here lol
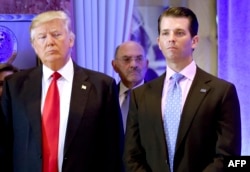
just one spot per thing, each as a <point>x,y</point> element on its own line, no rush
<point>134,73</point>
<point>51,52</point>
<point>171,48</point>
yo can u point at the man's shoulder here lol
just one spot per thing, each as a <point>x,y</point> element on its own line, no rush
<point>152,84</point>
<point>24,73</point>
<point>92,75</point>
<point>89,72</point>
<point>214,79</point>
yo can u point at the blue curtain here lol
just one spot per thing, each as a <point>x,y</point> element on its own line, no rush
<point>100,27</point>
<point>234,54</point>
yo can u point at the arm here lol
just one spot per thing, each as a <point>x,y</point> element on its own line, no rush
<point>5,132</point>
<point>134,153</point>
<point>228,129</point>
<point>114,130</point>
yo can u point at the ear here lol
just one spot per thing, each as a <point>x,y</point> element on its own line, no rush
<point>158,41</point>
<point>195,41</point>
<point>114,65</point>
<point>72,39</point>
<point>147,63</point>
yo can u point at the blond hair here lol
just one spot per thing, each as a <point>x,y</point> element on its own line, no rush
<point>48,16</point>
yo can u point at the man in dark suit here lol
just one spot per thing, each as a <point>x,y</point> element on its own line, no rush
<point>209,126</point>
<point>131,64</point>
<point>89,124</point>
<point>6,69</point>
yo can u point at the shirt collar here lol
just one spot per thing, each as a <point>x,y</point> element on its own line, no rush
<point>123,88</point>
<point>66,71</point>
<point>189,71</point>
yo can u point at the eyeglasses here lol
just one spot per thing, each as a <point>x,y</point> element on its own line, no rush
<point>129,59</point>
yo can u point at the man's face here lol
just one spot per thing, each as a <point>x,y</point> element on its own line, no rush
<point>131,64</point>
<point>175,39</point>
<point>52,42</point>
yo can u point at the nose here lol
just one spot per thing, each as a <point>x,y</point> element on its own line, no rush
<point>171,38</point>
<point>49,40</point>
<point>133,62</point>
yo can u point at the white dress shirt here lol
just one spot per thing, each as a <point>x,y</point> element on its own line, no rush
<point>65,87</point>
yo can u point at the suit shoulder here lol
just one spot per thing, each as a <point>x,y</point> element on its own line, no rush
<point>203,74</point>
<point>97,74</point>
<point>21,74</point>
<point>94,76</point>
<point>156,83</point>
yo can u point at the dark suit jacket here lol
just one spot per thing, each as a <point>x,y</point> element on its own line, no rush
<point>92,135</point>
<point>210,127</point>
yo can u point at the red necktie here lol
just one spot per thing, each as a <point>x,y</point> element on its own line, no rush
<point>50,126</point>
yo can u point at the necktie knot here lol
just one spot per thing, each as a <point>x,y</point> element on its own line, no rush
<point>177,77</point>
<point>127,92</point>
<point>56,76</point>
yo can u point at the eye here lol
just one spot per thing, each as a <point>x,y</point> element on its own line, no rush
<point>41,37</point>
<point>164,33</point>
<point>56,34</point>
<point>139,58</point>
<point>126,59</point>
<point>180,33</point>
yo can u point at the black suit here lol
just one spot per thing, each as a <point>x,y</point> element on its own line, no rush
<point>210,127</point>
<point>92,135</point>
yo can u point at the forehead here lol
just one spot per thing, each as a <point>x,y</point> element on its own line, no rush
<point>171,23</point>
<point>130,49</point>
<point>52,25</point>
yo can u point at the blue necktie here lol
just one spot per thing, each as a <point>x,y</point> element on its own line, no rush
<point>172,115</point>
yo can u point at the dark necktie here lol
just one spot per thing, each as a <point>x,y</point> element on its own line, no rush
<point>172,115</point>
<point>50,126</point>
<point>124,108</point>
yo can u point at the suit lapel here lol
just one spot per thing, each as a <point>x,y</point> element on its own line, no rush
<point>31,95</point>
<point>79,97</point>
<point>154,93</point>
<point>32,101</point>
<point>199,89</point>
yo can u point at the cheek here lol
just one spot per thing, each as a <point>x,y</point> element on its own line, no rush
<point>143,67</point>
<point>122,70</point>
<point>187,47</point>
<point>160,44</point>
<point>36,47</point>
<point>39,52</point>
